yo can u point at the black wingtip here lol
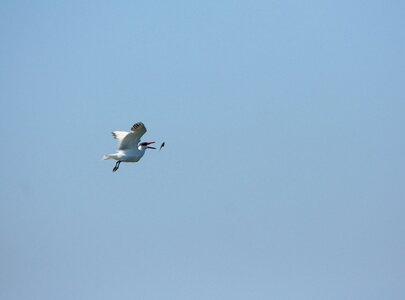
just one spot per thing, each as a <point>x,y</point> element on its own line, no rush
<point>137,125</point>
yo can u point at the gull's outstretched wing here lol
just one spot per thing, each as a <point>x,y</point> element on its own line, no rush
<point>130,140</point>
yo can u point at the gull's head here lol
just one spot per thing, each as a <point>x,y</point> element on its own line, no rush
<point>145,145</point>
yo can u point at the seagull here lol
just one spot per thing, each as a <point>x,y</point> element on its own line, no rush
<point>130,148</point>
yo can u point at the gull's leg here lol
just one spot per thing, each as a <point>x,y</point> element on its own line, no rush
<point>117,165</point>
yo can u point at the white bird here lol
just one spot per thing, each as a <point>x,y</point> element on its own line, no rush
<point>130,148</point>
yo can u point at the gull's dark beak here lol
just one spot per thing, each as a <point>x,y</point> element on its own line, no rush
<point>150,143</point>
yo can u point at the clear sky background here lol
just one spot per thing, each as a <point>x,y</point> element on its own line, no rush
<point>284,168</point>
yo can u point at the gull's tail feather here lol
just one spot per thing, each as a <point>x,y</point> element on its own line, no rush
<point>108,156</point>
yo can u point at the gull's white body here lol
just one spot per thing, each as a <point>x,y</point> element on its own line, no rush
<point>128,148</point>
<point>126,155</point>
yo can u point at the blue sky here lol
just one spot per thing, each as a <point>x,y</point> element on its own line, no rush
<point>283,171</point>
